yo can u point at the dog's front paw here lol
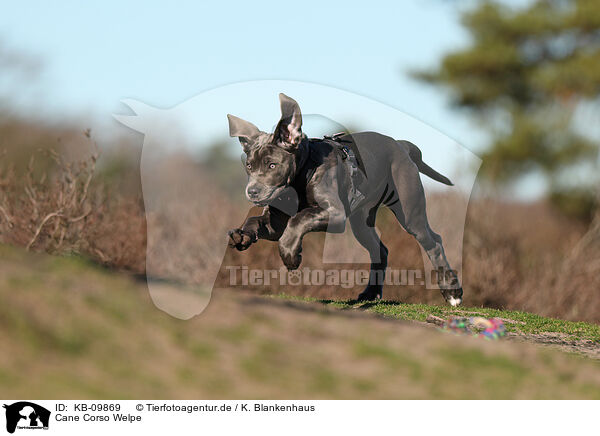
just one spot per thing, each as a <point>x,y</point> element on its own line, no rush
<point>240,240</point>
<point>291,257</point>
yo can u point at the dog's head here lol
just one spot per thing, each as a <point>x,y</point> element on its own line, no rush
<point>270,157</point>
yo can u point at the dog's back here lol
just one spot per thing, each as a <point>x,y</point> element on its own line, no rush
<point>374,151</point>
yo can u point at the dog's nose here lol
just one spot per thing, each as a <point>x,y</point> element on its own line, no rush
<point>252,191</point>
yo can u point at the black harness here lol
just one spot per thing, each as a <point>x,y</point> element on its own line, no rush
<point>308,163</point>
<point>310,160</point>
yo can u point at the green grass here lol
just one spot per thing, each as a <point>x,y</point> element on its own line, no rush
<point>515,321</point>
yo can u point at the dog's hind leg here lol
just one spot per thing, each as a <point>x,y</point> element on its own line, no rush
<point>363,227</point>
<point>408,205</point>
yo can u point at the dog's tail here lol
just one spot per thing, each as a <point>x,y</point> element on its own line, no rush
<point>417,157</point>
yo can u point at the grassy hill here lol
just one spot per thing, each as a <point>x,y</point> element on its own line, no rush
<point>69,329</point>
<point>577,337</point>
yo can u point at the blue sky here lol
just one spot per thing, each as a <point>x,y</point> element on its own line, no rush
<point>95,54</point>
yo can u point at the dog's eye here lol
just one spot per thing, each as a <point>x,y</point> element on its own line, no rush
<point>249,166</point>
<point>272,165</point>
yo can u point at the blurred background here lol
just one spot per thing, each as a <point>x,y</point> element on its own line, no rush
<point>516,82</point>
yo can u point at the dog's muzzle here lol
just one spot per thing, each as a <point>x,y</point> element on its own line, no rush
<point>256,194</point>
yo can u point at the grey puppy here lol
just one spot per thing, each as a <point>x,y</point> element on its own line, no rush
<point>316,185</point>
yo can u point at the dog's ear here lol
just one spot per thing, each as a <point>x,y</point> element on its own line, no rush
<point>288,132</point>
<point>245,131</point>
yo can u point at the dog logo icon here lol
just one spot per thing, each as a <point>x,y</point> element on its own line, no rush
<point>26,415</point>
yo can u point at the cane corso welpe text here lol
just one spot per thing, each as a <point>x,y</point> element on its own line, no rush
<point>332,180</point>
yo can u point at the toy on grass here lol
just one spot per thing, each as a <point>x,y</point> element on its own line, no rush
<point>492,328</point>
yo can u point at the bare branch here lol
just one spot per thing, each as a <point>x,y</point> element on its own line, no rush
<point>39,229</point>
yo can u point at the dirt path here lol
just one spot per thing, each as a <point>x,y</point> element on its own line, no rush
<point>561,342</point>
<point>557,341</point>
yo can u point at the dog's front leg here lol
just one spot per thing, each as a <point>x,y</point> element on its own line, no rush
<point>270,225</point>
<point>311,219</point>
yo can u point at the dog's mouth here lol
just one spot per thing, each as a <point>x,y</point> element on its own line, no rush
<point>273,195</point>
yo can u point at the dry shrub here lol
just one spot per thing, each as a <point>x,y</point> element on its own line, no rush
<point>117,235</point>
<point>188,218</point>
<point>575,293</point>
<point>515,256</point>
<point>61,209</point>
<point>520,257</point>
